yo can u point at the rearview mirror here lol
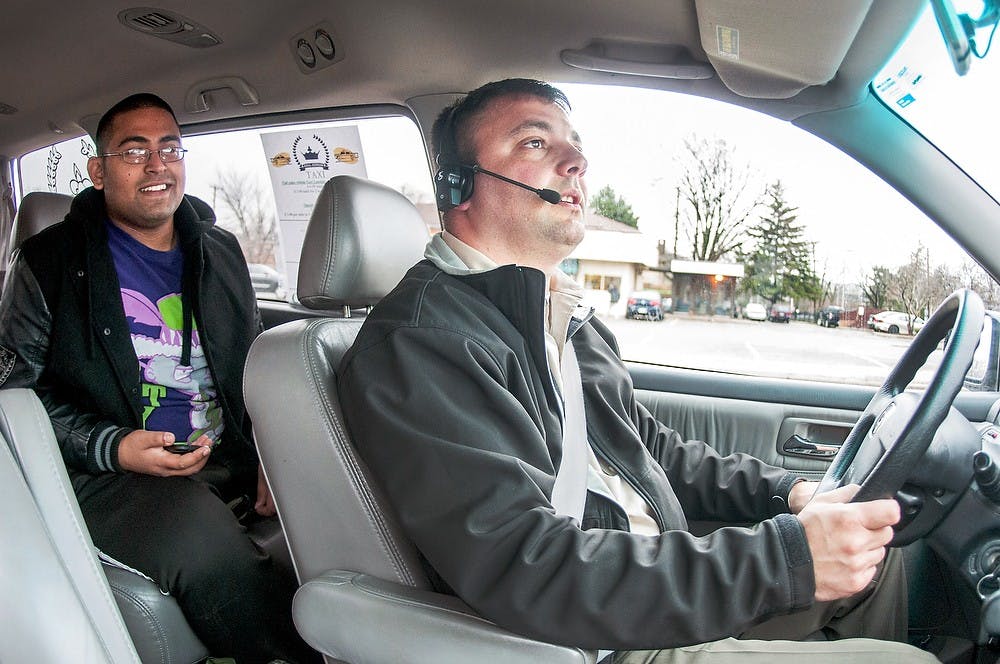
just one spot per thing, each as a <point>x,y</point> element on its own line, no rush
<point>953,32</point>
<point>959,31</point>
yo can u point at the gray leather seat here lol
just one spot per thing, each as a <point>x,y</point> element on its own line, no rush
<point>59,605</point>
<point>364,596</point>
<point>38,210</point>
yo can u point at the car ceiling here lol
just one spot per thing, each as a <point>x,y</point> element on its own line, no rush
<point>68,62</point>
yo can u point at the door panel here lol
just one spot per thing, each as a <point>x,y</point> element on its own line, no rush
<point>758,416</point>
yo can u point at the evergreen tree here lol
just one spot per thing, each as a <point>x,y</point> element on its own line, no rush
<point>612,206</point>
<point>876,287</point>
<point>779,264</point>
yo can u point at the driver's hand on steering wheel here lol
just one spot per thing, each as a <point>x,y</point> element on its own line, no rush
<point>847,540</point>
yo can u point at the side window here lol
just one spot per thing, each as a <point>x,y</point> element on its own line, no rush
<point>739,243</point>
<point>262,183</point>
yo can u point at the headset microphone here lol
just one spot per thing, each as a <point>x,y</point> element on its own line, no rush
<point>547,195</point>
<point>453,184</point>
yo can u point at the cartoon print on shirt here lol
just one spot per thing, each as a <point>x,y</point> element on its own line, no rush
<point>157,336</point>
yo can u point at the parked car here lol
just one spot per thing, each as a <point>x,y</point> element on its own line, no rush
<point>829,316</point>
<point>896,322</point>
<point>646,304</point>
<point>754,311</point>
<point>266,280</point>
<point>779,313</point>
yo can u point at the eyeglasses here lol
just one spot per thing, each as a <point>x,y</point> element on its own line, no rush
<point>141,155</point>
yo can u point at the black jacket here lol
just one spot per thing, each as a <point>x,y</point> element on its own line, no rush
<point>63,331</point>
<point>449,399</point>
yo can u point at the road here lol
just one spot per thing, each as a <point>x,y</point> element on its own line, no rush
<point>791,350</point>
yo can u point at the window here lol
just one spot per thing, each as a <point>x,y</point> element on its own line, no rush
<point>262,183</point>
<point>810,229</point>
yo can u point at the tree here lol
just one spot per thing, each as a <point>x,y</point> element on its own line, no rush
<point>911,288</point>
<point>971,275</point>
<point>875,287</point>
<point>608,204</point>
<point>716,196</point>
<point>779,264</point>
<point>245,207</point>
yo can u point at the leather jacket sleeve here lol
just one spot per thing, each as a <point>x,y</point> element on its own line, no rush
<point>734,488</point>
<point>463,462</point>
<point>88,442</point>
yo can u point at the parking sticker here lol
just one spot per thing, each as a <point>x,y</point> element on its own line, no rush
<point>729,41</point>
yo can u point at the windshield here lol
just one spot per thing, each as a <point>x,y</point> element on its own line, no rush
<point>920,85</point>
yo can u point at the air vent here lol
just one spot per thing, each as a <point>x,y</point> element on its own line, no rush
<point>168,25</point>
<point>7,109</point>
<point>157,22</point>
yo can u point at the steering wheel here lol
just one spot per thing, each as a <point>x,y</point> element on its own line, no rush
<point>897,427</point>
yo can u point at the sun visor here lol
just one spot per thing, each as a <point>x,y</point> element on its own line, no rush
<point>777,48</point>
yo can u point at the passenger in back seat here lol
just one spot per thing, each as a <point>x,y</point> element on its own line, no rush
<point>132,320</point>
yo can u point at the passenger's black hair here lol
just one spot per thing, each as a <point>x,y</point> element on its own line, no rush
<point>130,103</point>
<point>447,137</point>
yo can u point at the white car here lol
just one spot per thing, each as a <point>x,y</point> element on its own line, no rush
<point>755,311</point>
<point>896,322</point>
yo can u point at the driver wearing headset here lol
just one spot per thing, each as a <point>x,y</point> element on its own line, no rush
<point>540,491</point>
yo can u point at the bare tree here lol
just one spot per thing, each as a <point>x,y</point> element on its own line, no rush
<point>716,198</point>
<point>971,275</point>
<point>912,286</point>
<point>245,206</point>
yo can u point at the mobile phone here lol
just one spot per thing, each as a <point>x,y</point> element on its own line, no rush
<point>181,448</point>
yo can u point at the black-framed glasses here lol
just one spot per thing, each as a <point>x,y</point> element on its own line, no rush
<point>141,155</point>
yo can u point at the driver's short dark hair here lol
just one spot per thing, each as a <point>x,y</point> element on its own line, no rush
<point>448,137</point>
<point>130,103</point>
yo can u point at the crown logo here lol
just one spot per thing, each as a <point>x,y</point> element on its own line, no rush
<point>310,157</point>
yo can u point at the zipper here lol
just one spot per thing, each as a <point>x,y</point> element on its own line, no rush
<point>618,468</point>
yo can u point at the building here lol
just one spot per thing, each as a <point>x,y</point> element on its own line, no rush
<point>609,263</point>
<point>705,287</point>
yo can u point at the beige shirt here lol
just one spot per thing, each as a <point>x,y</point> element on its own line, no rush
<point>561,302</point>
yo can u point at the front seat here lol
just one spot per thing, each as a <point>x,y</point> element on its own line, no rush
<point>94,631</point>
<point>365,597</point>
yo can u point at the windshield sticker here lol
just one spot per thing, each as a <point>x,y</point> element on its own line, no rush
<point>897,88</point>
<point>729,42</point>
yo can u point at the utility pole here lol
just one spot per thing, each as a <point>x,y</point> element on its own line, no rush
<point>677,218</point>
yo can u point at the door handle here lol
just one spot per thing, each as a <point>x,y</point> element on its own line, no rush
<point>796,445</point>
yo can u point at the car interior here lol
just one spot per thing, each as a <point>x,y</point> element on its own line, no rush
<point>228,67</point>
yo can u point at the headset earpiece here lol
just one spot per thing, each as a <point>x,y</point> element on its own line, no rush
<point>453,185</point>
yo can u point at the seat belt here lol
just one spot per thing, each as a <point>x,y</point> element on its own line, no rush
<point>569,493</point>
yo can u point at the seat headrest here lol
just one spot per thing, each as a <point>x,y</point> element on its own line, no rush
<point>361,239</point>
<point>38,211</point>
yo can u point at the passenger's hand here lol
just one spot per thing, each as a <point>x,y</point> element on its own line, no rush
<point>145,452</point>
<point>265,502</point>
<point>847,540</point>
<point>800,495</point>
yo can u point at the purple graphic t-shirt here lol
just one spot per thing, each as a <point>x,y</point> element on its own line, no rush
<point>175,398</point>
